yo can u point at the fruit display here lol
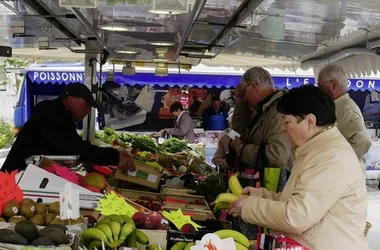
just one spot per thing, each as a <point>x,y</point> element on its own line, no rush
<point>224,200</point>
<point>94,182</point>
<point>37,213</point>
<point>114,230</point>
<point>241,241</point>
<point>26,233</point>
<point>151,221</point>
<point>148,203</point>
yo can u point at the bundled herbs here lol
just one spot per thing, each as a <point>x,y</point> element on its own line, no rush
<point>142,142</point>
<point>174,145</point>
<point>109,136</point>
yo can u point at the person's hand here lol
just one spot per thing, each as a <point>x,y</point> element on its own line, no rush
<point>163,131</point>
<point>238,95</point>
<point>126,162</point>
<point>235,143</point>
<point>237,206</point>
<point>247,190</point>
<point>252,191</point>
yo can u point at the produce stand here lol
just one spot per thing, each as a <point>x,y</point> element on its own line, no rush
<point>155,206</point>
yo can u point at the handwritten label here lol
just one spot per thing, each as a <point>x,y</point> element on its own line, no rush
<point>179,219</point>
<point>9,190</point>
<point>113,204</point>
<point>69,202</point>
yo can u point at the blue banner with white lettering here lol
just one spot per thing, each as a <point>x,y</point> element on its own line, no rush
<point>227,81</point>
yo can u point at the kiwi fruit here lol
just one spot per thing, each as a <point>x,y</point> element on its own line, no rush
<point>28,201</point>
<point>16,218</point>
<point>28,210</point>
<point>11,208</point>
<point>2,219</point>
<point>48,218</point>
<point>38,220</point>
<point>40,208</point>
<point>54,208</point>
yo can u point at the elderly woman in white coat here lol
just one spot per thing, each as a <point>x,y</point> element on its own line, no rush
<point>324,203</point>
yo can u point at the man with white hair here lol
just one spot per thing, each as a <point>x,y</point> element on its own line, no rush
<point>333,81</point>
<point>262,140</point>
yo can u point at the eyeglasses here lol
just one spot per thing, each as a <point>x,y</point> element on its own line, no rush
<point>242,91</point>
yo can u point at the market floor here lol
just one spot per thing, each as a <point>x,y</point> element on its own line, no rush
<point>374,217</point>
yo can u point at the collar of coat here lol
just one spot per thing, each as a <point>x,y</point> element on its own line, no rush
<point>272,100</point>
<point>329,134</point>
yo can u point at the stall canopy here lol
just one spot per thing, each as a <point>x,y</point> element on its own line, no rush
<point>191,80</point>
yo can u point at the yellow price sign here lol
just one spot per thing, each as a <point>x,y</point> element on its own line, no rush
<point>179,219</point>
<point>113,204</point>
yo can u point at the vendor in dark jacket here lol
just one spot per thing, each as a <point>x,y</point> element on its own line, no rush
<point>215,117</point>
<point>52,131</point>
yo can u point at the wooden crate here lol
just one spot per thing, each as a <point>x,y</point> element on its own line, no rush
<point>144,175</point>
<point>135,196</point>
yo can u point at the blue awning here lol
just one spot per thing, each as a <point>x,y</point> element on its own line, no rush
<point>209,81</point>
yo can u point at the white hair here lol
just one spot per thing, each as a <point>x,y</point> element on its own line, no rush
<point>334,72</point>
<point>258,75</point>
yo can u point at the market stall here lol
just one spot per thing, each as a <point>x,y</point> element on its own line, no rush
<point>174,200</point>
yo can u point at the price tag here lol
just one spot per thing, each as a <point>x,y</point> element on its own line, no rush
<point>9,190</point>
<point>113,204</point>
<point>179,219</point>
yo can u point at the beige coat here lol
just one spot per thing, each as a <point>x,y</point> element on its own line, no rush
<point>324,204</point>
<point>351,125</point>
<point>267,130</point>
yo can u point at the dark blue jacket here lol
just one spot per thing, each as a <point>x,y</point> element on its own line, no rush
<point>214,120</point>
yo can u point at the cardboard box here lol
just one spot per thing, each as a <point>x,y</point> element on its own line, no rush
<point>156,237</point>
<point>37,183</point>
<point>209,226</point>
<point>174,190</point>
<point>187,201</point>
<point>144,175</point>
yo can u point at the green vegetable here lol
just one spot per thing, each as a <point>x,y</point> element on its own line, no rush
<point>109,136</point>
<point>145,143</point>
<point>6,134</point>
<point>127,137</point>
<point>174,145</point>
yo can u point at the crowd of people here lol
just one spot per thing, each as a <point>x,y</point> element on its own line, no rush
<point>317,135</point>
<point>317,140</point>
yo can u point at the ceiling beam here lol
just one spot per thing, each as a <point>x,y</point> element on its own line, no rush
<point>40,9</point>
<point>198,7</point>
<point>240,14</point>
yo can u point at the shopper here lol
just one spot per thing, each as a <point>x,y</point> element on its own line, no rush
<point>184,124</point>
<point>220,156</point>
<point>333,81</point>
<point>262,140</point>
<point>324,203</point>
<point>52,131</point>
<point>215,117</point>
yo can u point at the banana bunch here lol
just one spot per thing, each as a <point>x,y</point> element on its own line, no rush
<point>241,242</point>
<point>224,200</point>
<point>113,231</point>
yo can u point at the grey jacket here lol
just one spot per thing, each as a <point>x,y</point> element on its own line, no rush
<point>184,128</point>
<point>267,130</point>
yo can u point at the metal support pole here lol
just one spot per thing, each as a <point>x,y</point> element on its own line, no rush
<point>90,81</point>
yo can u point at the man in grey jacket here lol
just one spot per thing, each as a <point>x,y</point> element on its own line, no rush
<point>265,128</point>
<point>333,81</point>
<point>184,124</point>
